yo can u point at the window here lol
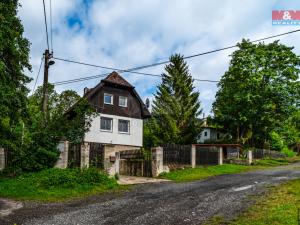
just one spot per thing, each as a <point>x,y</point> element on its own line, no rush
<point>108,98</point>
<point>106,124</point>
<point>205,133</point>
<point>122,101</point>
<point>218,135</point>
<point>124,126</point>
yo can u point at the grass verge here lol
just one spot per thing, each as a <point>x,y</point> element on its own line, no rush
<point>57,184</point>
<point>202,172</point>
<point>279,206</point>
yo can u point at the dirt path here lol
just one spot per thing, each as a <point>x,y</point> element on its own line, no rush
<point>160,203</point>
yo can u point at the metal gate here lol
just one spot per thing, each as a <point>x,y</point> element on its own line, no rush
<point>177,154</point>
<point>135,163</point>
<point>207,155</point>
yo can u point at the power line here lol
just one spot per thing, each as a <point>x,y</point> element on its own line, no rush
<point>105,74</point>
<point>45,17</point>
<point>51,30</point>
<point>133,70</point>
<point>38,74</point>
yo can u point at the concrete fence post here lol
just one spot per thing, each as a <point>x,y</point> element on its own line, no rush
<point>117,163</point>
<point>157,161</point>
<point>220,156</point>
<point>85,155</point>
<point>62,161</point>
<point>193,156</point>
<point>2,159</point>
<point>249,157</point>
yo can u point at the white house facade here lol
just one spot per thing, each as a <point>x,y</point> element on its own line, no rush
<point>116,130</point>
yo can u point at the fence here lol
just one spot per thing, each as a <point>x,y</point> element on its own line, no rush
<point>264,153</point>
<point>207,155</point>
<point>74,155</point>
<point>176,154</point>
<point>96,155</point>
<point>135,163</point>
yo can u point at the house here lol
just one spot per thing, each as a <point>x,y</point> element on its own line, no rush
<point>118,126</point>
<point>209,134</point>
<point>121,113</point>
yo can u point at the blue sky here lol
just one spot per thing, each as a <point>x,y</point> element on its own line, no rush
<point>130,33</point>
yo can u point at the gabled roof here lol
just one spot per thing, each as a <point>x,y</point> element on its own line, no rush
<point>117,79</point>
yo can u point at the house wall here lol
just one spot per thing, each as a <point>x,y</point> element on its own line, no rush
<point>133,108</point>
<point>203,138</point>
<point>212,134</point>
<point>134,138</point>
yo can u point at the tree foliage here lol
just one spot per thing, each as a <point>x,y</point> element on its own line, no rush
<point>14,59</point>
<point>259,91</point>
<point>31,145</point>
<point>176,106</point>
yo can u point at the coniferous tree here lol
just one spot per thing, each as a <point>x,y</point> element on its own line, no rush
<point>176,106</point>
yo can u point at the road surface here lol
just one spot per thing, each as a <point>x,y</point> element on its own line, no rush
<point>160,203</point>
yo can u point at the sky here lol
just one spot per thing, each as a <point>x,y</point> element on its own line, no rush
<point>130,33</point>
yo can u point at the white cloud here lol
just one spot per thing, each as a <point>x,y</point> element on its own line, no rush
<point>130,33</point>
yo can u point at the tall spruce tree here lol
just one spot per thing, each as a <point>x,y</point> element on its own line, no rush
<point>176,106</point>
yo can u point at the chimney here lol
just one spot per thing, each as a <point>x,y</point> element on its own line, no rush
<point>86,90</point>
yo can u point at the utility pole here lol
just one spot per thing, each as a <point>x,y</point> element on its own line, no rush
<point>47,56</point>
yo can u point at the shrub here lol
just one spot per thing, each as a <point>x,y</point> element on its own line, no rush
<point>68,178</point>
<point>288,152</point>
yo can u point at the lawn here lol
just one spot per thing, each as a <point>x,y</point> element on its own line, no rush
<point>202,172</point>
<point>57,185</point>
<point>280,206</point>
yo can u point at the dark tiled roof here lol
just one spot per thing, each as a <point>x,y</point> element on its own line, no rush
<point>116,78</point>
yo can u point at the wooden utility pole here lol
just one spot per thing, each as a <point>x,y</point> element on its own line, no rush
<point>47,57</point>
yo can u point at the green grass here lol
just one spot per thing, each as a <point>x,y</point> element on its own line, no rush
<point>278,207</point>
<point>201,172</point>
<point>57,185</point>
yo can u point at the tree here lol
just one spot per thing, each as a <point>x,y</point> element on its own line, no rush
<point>258,92</point>
<point>176,106</point>
<point>14,59</point>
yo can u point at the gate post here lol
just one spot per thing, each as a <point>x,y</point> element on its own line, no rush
<point>62,161</point>
<point>220,156</point>
<point>157,161</point>
<point>117,163</point>
<point>85,155</point>
<point>193,156</point>
<point>2,159</point>
<point>249,157</point>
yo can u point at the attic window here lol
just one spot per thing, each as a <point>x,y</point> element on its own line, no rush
<point>205,134</point>
<point>108,99</point>
<point>122,101</point>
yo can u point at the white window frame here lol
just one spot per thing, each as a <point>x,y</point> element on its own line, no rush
<point>112,99</point>
<point>126,101</point>
<point>122,132</point>
<point>111,124</point>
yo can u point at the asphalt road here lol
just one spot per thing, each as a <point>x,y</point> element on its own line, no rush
<point>160,203</point>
